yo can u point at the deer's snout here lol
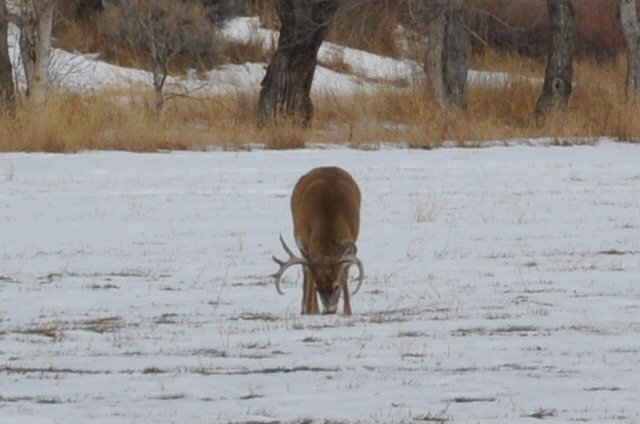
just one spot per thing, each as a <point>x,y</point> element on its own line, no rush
<point>330,301</point>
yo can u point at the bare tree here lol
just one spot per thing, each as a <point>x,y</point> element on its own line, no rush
<point>447,57</point>
<point>163,30</point>
<point>559,72</point>
<point>7,88</point>
<point>35,45</point>
<point>631,29</point>
<point>286,87</point>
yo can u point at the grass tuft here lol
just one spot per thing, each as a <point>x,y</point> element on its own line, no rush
<point>285,135</point>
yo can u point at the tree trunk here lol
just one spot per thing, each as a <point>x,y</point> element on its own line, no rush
<point>35,43</point>
<point>559,73</point>
<point>286,87</point>
<point>631,29</point>
<point>159,68</point>
<point>7,89</point>
<point>448,44</point>
<point>159,78</point>
<point>456,45</point>
<point>434,66</point>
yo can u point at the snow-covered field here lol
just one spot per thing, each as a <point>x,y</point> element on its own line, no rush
<point>503,286</point>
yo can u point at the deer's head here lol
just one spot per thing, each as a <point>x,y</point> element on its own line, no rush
<point>326,271</point>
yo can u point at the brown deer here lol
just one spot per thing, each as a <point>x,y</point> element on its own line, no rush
<point>325,205</point>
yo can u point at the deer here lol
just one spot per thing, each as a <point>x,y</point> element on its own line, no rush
<point>325,206</point>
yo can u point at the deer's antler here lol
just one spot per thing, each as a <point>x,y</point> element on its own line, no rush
<point>349,258</point>
<point>284,265</point>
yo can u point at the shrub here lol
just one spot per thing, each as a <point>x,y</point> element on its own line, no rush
<point>523,26</point>
<point>174,29</point>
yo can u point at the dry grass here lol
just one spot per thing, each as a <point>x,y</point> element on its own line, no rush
<point>114,120</point>
<point>597,108</point>
<point>253,52</point>
<point>369,25</point>
<point>122,120</point>
<point>512,63</point>
<point>126,121</point>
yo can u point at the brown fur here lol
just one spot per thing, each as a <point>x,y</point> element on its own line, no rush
<point>325,205</point>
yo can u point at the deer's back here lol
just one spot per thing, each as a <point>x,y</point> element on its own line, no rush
<point>326,207</point>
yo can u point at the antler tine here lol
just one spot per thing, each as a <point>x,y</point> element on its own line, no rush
<point>360,275</point>
<point>286,248</point>
<point>284,265</point>
<point>352,259</point>
<point>357,262</point>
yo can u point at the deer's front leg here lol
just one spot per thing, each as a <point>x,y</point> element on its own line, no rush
<point>309,296</point>
<point>345,291</point>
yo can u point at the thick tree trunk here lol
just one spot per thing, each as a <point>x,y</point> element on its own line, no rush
<point>434,66</point>
<point>456,45</point>
<point>7,89</point>
<point>559,73</point>
<point>631,29</point>
<point>447,62</point>
<point>35,43</point>
<point>287,85</point>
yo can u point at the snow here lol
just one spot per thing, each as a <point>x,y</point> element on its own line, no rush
<point>363,64</point>
<point>367,71</point>
<point>502,283</point>
<point>86,73</point>
<point>502,286</point>
<point>249,30</point>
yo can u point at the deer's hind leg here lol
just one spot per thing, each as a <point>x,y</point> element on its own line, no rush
<point>309,295</point>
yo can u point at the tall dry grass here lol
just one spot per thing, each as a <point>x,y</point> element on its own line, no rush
<point>123,120</point>
<point>597,108</point>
